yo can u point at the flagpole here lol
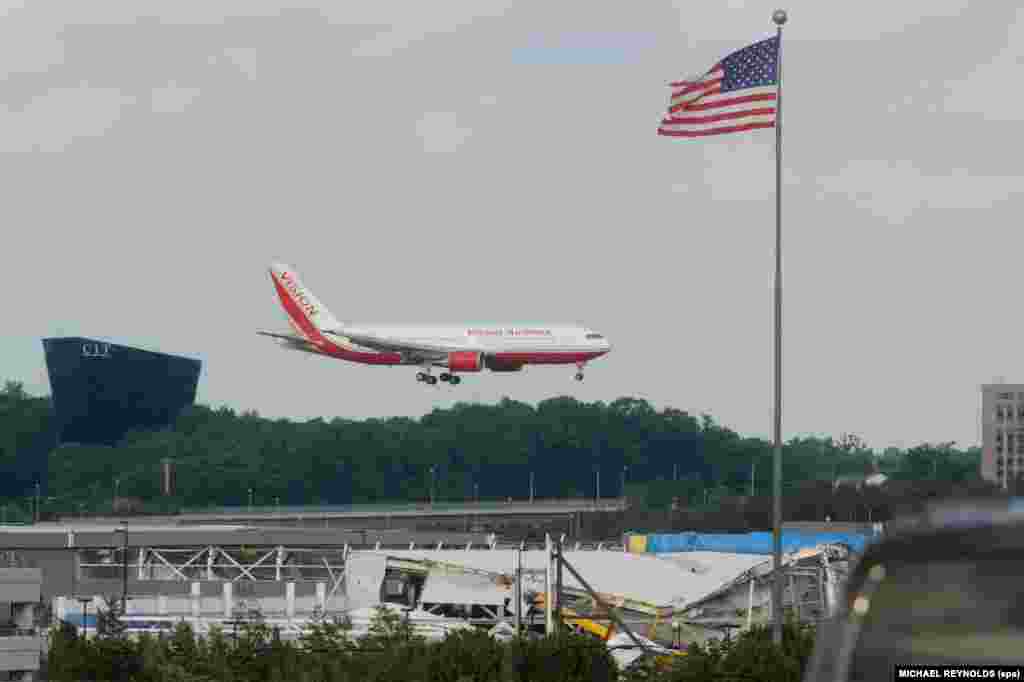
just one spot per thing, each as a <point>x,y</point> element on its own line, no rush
<point>779,17</point>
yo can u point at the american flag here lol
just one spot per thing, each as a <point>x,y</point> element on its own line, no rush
<point>738,93</point>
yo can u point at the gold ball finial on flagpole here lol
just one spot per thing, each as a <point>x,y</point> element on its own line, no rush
<point>779,16</point>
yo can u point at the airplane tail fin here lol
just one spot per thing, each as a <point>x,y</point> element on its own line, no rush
<point>305,312</point>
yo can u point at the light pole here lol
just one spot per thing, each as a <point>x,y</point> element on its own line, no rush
<point>37,502</point>
<point>277,506</point>
<point>117,490</point>
<point>753,473</point>
<point>124,568</point>
<point>597,492</point>
<point>250,500</point>
<point>85,614</point>
<point>531,487</point>
<point>779,17</point>
<point>432,467</point>
<point>624,482</point>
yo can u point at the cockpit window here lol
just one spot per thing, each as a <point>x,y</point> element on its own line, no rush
<point>594,336</point>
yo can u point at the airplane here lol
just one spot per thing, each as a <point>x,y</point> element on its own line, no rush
<point>457,349</point>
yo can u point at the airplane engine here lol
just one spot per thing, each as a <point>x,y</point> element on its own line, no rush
<point>465,361</point>
<point>496,365</point>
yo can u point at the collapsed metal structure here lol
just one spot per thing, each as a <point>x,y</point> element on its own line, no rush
<point>224,576</point>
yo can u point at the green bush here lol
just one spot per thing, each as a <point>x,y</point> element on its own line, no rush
<point>752,656</point>
<point>391,652</point>
<point>561,658</point>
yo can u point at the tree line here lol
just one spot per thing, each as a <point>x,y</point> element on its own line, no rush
<point>560,447</point>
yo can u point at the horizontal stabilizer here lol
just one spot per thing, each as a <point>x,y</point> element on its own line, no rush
<point>292,341</point>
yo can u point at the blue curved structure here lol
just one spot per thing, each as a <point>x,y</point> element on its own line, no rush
<point>749,543</point>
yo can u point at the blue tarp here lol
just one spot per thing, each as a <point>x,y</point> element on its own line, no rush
<point>76,619</point>
<point>749,543</point>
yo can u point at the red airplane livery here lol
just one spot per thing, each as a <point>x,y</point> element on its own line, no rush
<point>456,349</point>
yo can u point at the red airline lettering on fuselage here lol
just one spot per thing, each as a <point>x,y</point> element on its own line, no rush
<point>508,332</point>
<point>298,294</point>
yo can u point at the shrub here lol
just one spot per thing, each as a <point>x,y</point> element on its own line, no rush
<point>391,652</point>
<point>750,656</point>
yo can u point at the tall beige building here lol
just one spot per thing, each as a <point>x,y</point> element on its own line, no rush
<point>1002,432</point>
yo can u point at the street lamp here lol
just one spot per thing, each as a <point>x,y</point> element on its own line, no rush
<point>597,491</point>
<point>85,610</point>
<point>476,492</point>
<point>250,500</point>
<point>624,482</point>
<point>531,487</point>
<point>432,467</point>
<point>124,567</point>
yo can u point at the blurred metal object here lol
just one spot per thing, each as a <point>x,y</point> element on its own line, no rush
<point>942,588</point>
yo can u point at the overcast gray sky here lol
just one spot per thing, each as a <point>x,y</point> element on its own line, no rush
<point>489,159</point>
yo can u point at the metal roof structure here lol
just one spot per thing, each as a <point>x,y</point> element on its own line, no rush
<point>85,535</point>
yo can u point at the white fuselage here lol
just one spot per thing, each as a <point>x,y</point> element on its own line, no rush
<point>485,338</point>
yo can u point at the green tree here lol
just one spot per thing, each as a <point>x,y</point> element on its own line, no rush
<point>221,453</point>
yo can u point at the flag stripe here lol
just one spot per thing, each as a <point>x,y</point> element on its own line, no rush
<point>728,101</point>
<point>730,116</point>
<point>713,77</point>
<point>763,118</point>
<point>727,108</point>
<point>715,131</point>
<point>711,71</point>
<point>678,101</point>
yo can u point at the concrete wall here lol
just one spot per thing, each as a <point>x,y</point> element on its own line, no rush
<point>19,585</point>
<point>832,527</point>
<point>58,568</point>
<point>19,594</point>
<point>19,653</point>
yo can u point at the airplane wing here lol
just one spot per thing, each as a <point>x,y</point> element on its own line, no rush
<point>414,352</point>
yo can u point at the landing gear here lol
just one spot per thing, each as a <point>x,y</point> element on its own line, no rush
<point>450,378</point>
<point>579,371</point>
<point>579,376</point>
<point>445,376</point>
<point>426,378</point>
